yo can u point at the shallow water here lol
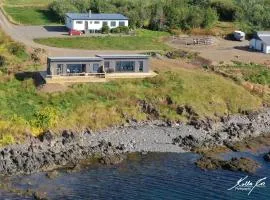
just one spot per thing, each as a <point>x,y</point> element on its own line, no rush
<point>154,176</point>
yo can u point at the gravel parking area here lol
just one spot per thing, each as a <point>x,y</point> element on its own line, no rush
<point>224,51</point>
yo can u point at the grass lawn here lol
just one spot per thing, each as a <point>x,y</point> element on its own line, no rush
<point>31,15</point>
<point>27,2</point>
<point>144,40</point>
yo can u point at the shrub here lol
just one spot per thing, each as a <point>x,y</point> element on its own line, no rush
<point>124,29</point>
<point>116,30</point>
<point>105,29</point>
<point>7,139</point>
<point>2,61</point>
<point>120,29</point>
<point>46,118</point>
<point>16,49</point>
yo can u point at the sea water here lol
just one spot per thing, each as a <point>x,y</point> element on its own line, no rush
<point>152,176</point>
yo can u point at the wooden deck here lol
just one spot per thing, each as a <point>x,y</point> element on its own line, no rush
<point>93,77</point>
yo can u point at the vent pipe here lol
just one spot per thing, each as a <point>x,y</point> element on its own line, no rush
<point>89,13</point>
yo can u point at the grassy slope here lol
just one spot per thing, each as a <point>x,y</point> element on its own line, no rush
<point>144,40</point>
<point>31,15</point>
<point>99,105</point>
<point>27,2</point>
<point>30,12</point>
<point>253,76</point>
<point>24,109</point>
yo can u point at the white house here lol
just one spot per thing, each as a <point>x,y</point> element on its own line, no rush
<point>261,42</point>
<point>92,23</point>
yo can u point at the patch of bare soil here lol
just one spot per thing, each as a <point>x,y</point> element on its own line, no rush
<point>53,87</point>
<point>158,64</point>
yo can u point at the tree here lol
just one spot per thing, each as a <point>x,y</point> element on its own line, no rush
<point>61,7</point>
<point>226,9</point>
<point>210,18</point>
<point>157,20</point>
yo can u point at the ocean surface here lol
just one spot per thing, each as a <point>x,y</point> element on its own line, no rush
<point>152,176</point>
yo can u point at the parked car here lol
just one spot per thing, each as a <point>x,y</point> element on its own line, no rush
<point>239,35</point>
<point>74,32</point>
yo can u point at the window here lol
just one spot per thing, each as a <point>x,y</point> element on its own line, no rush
<point>74,68</point>
<point>90,22</point>
<point>125,66</point>
<point>96,67</point>
<point>96,22</point>
<point>79,22</point>
<point>113,23</point>
<point>140,66</point>
<point>105,23</point>
<point>122,24</point>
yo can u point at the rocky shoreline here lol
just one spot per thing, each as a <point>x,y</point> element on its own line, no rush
<point>110,146</point>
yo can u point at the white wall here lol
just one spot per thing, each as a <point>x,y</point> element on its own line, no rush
<point>267,49</point>
<point>91,24</point>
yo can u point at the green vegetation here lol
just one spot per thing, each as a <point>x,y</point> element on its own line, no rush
<point>11,54</point>
<point>99,105</point>
<point>254,73</point>
<point>27,110</point>
<point>144,40</point>
<point>31,15</point>
<point>254,77</point>
<point>248,15</point>
<point>28,2</point>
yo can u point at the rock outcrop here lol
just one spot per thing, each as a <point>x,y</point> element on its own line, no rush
<point>48,153</point>
<point>235,164</point>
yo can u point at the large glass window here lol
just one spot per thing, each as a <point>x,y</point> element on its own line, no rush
<point>125,66</point>
<point>74,68</point>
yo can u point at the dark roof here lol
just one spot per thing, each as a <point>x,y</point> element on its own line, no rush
<point>103,16</point>
<point>264,36</point>
<point>124,56</point>
<point>74,59</point>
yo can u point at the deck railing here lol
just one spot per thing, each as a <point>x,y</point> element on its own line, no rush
<point>97,75</point>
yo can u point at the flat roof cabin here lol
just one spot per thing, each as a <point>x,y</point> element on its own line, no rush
<point>101,66</point>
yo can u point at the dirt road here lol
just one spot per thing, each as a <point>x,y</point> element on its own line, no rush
<point>26,34</point>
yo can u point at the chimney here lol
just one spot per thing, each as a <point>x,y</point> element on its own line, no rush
<point>89,13</point>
